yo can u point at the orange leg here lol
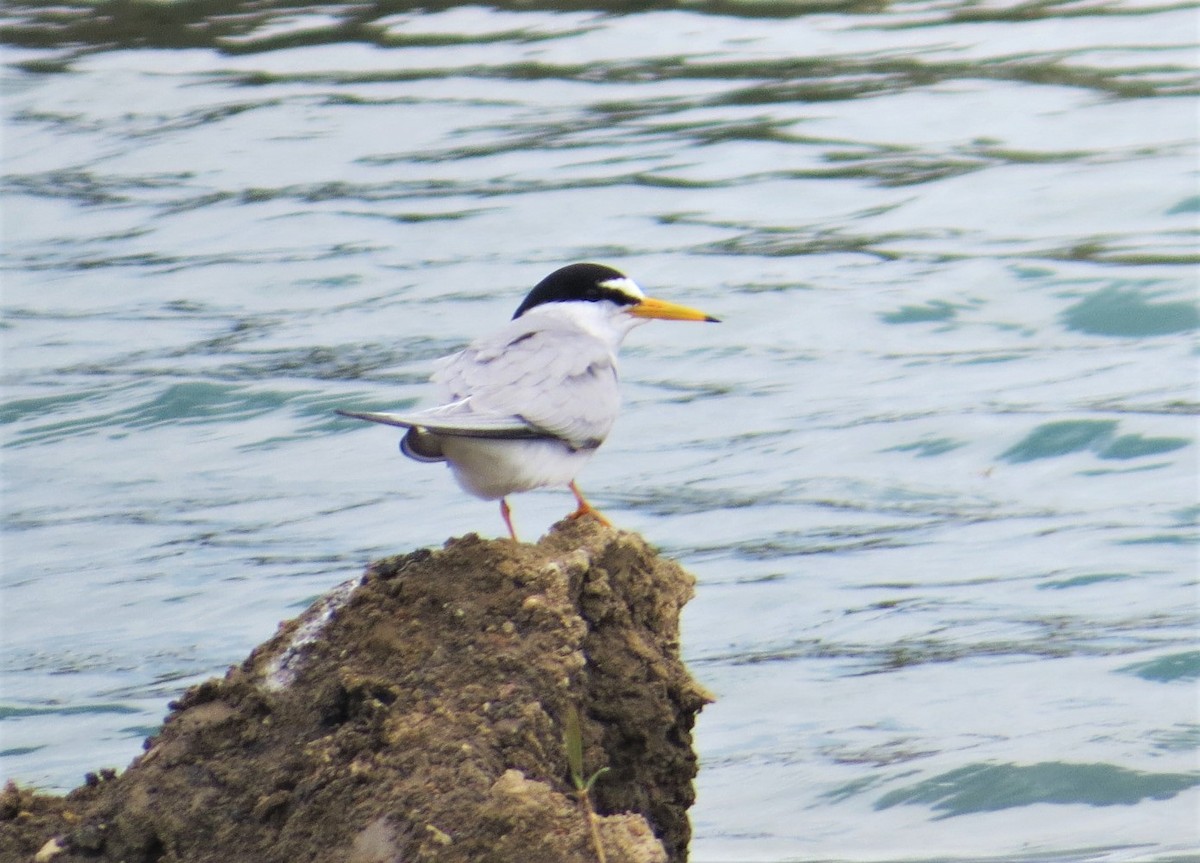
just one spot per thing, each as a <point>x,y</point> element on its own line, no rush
<point>506,514</point>
<point>586,508</point>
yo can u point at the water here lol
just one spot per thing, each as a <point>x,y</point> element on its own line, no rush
<point>936,471</point>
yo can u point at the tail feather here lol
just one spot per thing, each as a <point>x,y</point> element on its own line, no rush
<point>385,418</point>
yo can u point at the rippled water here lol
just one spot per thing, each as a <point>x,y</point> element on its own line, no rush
<point>936,472</point>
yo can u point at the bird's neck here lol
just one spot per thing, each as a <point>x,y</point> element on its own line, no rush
<point>600,320</point>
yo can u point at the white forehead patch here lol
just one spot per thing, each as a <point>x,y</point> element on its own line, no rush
<point>626,286</point>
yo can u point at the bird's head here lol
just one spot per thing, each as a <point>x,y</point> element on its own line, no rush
<point>613,291</point>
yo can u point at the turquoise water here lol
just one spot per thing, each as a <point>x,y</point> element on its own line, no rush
<point>936,471</point>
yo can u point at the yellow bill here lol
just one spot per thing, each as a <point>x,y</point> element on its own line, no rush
<point>662,310</point>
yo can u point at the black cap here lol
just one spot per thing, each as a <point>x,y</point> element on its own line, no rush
<point>578,282</point>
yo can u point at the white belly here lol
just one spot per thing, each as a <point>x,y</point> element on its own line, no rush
<point>492,469</point>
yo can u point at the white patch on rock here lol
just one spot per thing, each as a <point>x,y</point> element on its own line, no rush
<point>280,670</point>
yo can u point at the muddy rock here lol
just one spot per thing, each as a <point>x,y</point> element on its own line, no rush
<point>419,713</point>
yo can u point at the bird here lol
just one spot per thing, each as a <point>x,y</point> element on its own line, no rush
<point>527,406</point>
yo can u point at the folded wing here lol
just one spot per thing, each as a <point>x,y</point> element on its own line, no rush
<point>552,376</point>
<point>464,425</point>
<point>530,381</point>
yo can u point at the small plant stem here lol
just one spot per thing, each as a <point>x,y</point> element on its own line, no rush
<point>593,824</point>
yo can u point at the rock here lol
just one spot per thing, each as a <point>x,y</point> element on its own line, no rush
<point>48,852</point>
<point>418,715</point>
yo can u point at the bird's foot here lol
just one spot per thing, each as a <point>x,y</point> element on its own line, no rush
<point>593,512</point>
<point>586,508</point>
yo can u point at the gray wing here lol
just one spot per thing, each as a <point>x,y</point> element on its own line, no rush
<point>446,420</point>
<point>552,376</point>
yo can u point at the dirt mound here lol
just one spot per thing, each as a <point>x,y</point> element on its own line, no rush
<point>420,714</point>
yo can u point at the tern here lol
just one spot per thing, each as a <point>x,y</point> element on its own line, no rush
<point>528,405</point>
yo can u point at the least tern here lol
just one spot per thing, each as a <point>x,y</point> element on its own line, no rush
<point>527,406</point>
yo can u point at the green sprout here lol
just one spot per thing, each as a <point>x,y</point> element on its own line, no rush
<point>573,735</point>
